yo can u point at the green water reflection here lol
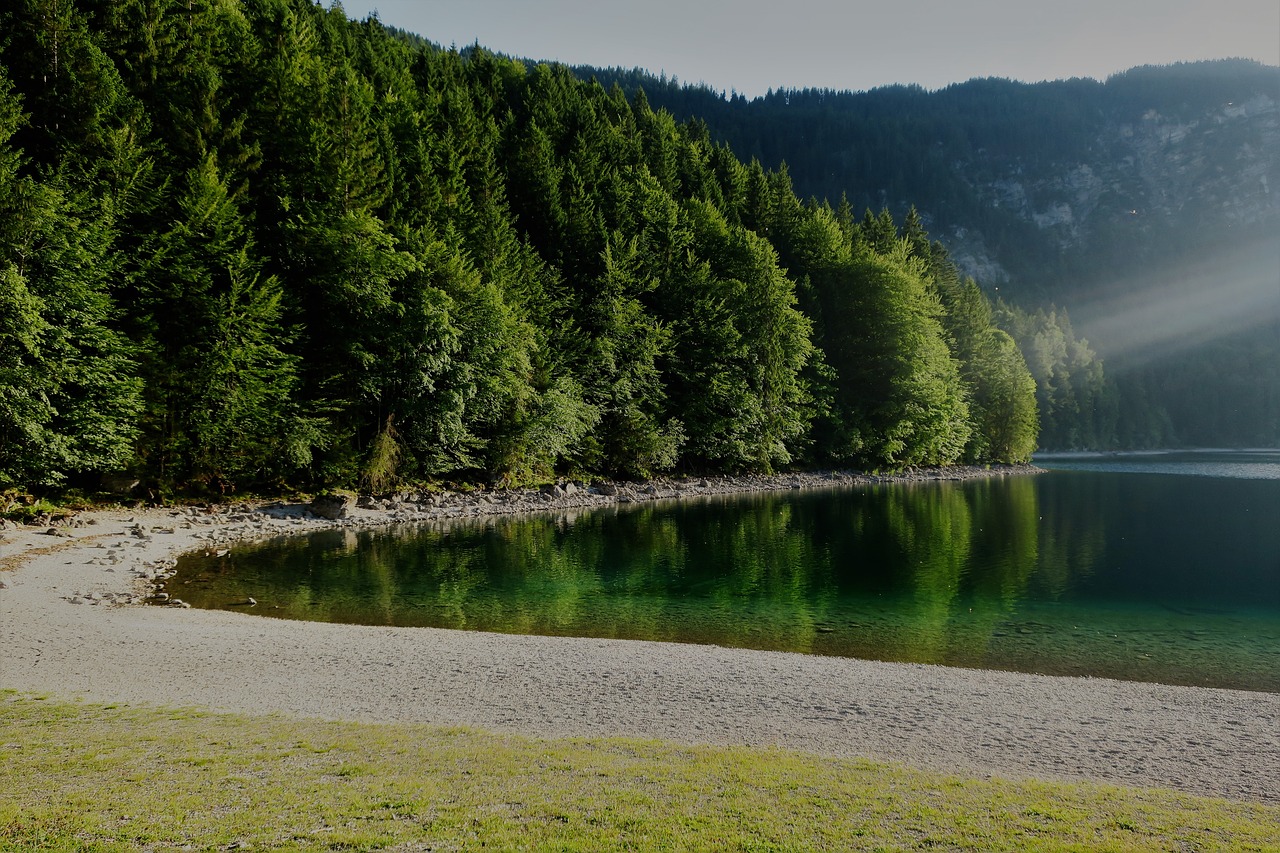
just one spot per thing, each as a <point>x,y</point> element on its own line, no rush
<point>1062,573</point>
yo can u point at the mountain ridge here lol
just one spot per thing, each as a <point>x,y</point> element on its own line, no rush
<point>1132,194</point>
<point>993,165</point>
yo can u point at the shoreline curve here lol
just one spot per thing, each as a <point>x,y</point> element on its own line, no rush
<point>63,633</point>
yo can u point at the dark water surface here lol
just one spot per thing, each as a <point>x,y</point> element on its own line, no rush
<point>1154,568</point>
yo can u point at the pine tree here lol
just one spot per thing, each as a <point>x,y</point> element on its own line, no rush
<point>220,386</point>
<point>620,373</point>
<point>69,392</point>
<point>1001,390</point>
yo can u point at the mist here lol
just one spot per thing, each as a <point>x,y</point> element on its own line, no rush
<point>1226,294</point>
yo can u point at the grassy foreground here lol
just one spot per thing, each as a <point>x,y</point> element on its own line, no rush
<point>83,777</point>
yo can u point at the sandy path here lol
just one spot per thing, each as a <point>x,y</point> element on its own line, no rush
<point>1217,742</point>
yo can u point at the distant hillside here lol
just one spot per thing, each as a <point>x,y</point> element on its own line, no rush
<point>1040,187</point>
<point>1140,194</point>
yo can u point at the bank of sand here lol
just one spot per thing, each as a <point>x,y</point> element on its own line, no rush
<point>55,641</point>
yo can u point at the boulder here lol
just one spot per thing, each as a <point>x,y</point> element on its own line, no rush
<point>330,506</point>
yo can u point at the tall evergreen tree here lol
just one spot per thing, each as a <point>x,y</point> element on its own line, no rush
<point>69,392</point>
<point>220,385</point>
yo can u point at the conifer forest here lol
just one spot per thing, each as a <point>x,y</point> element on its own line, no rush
<point>256,245</point>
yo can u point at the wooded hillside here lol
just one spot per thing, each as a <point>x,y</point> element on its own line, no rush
<point>250,244</point>
<point>1142,202</point>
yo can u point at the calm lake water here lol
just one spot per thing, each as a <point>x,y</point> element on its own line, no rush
<point>1155,567</point>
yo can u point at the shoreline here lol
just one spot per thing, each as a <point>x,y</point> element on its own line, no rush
<point>243,522</point>
<point>447,504</point>
<point>979,722</point>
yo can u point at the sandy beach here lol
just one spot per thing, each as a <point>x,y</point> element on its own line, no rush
<point>66,631</point>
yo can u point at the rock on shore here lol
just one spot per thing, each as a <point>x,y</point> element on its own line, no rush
<point>565,494</point>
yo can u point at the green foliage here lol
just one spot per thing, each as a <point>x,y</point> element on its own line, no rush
<point>220,408</point>
<point>26,512</point>
<point>384,458</point>
<point>555,426</point>
<point>901,385</point>
<point>249,244</point>
<point>744,345</point>
<point>69,395</point>
<point>1002,391</point>
<point>622,347</point>
<point>1003,401</point>
<point>1077,403</point>
<point>987,157</point>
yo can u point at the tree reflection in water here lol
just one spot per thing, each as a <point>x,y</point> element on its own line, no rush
<point>1007,573</point>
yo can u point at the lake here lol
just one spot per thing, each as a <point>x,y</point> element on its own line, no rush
<point>1151,567</point>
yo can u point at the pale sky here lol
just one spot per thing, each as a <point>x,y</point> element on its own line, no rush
<point>752,45</point>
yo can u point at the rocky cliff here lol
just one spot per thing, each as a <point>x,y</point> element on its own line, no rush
<point>1147,184</point>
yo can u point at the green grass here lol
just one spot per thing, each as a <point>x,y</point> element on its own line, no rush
<point>85,777</point>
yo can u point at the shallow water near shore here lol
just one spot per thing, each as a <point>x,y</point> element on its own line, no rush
<point>1147,568</point>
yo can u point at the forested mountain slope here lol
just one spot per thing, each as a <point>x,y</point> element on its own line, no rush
<point>250,244</point>
<point>1124,201</point>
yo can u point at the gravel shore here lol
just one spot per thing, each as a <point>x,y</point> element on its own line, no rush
<point>70,626</point>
